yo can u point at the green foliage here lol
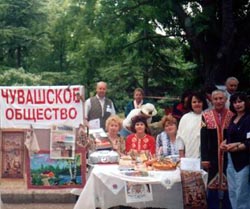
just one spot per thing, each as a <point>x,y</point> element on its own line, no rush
<point>18,77</point>
<point>20,23</point>
<point>135,55</point>
<point>37,179</point>
<point>66,42</point>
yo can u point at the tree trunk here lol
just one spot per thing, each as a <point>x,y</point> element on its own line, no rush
<point>145,79</point>
<point>223,65</point>
<point>18,57</point>
<point>217,54</point>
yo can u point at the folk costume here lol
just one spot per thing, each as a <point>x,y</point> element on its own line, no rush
<point>168,148</point>
<point>140,145</point>
<point>213,130</point>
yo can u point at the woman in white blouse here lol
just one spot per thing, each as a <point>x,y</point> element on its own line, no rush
<point>190,125</point>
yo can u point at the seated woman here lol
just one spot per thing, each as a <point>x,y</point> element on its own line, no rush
<point>140,141</point>
<point>113,126</point>
<point>166,142</point>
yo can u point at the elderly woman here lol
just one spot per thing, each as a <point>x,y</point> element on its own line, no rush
<point>166,142</point>
<point>113,126</point>
<point>140,141</point>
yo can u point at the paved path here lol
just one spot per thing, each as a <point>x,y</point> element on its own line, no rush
<point>38,206</point>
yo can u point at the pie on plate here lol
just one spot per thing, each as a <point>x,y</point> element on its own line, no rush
<point>164,165</point>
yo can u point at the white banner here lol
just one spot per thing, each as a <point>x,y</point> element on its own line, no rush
<point>41,106</point>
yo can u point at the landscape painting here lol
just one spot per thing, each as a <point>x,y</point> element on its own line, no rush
<point>44,172</point>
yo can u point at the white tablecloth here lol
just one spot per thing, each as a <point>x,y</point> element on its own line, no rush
<point>106,188</point>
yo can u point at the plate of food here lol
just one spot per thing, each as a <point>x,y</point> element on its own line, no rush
<point>164,164</point>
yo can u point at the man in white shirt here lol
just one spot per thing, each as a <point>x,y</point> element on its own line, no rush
<point>99,107</point>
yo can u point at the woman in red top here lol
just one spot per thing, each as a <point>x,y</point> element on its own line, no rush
<point>140,141</point>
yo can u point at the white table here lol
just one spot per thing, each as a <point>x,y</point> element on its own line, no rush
<point>100,192</point>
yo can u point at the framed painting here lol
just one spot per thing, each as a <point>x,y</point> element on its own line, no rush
<point>12,154</point>
<point>62,143</point>
<point>46,173</point>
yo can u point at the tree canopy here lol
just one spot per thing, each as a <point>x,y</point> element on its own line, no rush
<point>164,47</point>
